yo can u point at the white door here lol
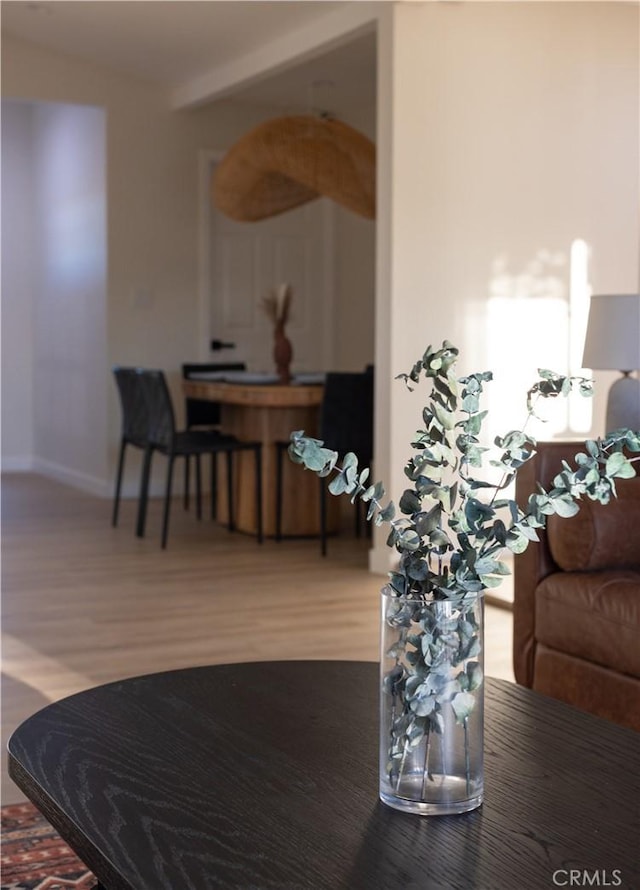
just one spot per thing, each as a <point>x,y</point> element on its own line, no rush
<point>248,259</point>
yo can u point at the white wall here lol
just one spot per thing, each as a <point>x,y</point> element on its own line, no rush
<point>17,287</point>
<point>355,269</point>
<point>70,249</point>
<point>503,129</point>
<point>151,313</point>
<point>151,305</point>
<point>354,306</point>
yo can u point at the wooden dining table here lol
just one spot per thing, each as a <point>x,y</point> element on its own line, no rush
<point>268,413</point>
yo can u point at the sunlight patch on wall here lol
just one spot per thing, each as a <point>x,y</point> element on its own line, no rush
<point>71,146</point>
<point>580,409</point>
<point>528,328</point>
<point>537,318</point>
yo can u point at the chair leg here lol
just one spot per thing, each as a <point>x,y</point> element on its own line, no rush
<point>278,492</point>
<point>116,497</point>
<point>143,497</point>
<point>232,522</point>
<point>167,502</point>
<point>198,488</point>
<point>258,454</point>
<point>323,518</point>
<point>214,485</point>
<point>187,481</point>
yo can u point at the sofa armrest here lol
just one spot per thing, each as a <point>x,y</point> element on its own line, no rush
<point>536,562</point>
<point>598,537</point>
<point>528,570</point>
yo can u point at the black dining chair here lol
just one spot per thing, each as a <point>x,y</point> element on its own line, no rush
<point>134,422</point>
<point>167,440</point>
<point>202,413</point>
<point>346,424</point>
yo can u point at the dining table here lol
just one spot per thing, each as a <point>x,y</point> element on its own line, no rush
<point>256,407</point>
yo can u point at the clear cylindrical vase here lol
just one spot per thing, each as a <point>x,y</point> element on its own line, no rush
<point>432,703</point>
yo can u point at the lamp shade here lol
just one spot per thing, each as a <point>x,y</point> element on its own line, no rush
<point>613,333</point>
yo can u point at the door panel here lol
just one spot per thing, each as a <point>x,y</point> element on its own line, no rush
<point>236,277</point>
<point>248,259</point>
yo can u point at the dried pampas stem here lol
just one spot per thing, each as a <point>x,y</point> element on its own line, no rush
<point>277,304</point>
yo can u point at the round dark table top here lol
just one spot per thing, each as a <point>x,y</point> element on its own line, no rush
<point>264,775</point>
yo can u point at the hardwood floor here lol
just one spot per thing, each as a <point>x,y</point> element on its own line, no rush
<point>85,604</point>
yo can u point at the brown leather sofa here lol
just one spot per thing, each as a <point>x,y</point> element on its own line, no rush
<point>577,598</point>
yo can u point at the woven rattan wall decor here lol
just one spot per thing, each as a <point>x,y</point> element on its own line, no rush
<point>288,161</point>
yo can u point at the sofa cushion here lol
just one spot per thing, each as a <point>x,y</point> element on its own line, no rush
<point>589,686</point>
<point>592,615</point>
<point>599,536</point>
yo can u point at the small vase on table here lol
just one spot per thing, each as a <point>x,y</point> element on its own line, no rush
<point>282,353</point>
<point>276,305</point>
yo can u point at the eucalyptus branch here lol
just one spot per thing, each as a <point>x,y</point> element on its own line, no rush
<point>314,456</point>
<point>597,469</point>
<point>433,510</point>
<point>516,453</point>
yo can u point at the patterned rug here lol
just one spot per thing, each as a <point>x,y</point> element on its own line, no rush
<point>34,857</point>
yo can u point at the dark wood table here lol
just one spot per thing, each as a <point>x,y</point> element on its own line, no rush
<point>265,776</point>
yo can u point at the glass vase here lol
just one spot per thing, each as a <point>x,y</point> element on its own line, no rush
<point>431,703</point>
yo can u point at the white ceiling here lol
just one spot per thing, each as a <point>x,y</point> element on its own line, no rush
<point>173,42</point>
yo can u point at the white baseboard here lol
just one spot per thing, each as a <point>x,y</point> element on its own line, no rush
<point>84,482</point>
<point>17,464</point>
<point>66,475</point>
<point>382,560</point>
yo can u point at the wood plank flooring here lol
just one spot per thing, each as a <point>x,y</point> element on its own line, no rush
<point>85,604</point>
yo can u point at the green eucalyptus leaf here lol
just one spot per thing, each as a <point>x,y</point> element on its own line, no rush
<point>311,454</point>
<point>473,425</point>
<point>592,447</point>
<point>427,522</point>
<point>475,675</point>
<point>565,506</point>
<point>470,403</point>
<point>474,455</point>
<point>438,538</point>
<point>398,582</point>
<point>491,581</point>
<point>500,532</point>
<point>409,540</point>
<point>378,491</point>
<point>463,704</point>
<point>517,543</point>
<point>528,530</point>
<point>338,484</point>
<point>486,566</point>
<point>632,440</point>
<point>410,502</point>
<point>446,418</point>
<point>367,494</point>
<point>418,570</point>
<point>619,465</point>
